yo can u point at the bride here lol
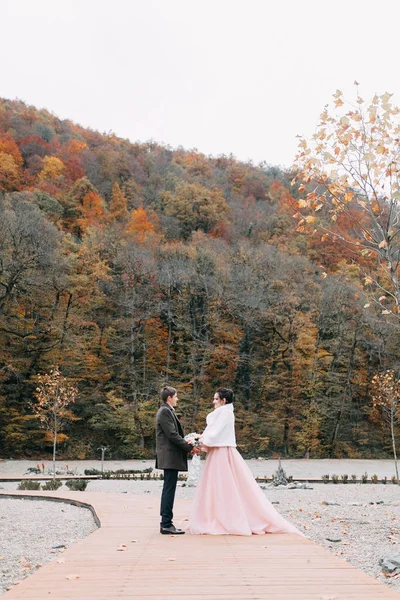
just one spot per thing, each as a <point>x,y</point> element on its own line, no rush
<point>228,500</point>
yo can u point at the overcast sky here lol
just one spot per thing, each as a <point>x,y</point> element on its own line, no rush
<point>222,76</point>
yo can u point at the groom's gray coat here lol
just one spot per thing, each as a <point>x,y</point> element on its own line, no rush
<point>171,448</point>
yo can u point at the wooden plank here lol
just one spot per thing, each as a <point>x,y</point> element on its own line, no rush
<point>156,567</point>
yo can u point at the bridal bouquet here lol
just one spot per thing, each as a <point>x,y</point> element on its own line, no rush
<point>194,439</point>
<point>195,465</point>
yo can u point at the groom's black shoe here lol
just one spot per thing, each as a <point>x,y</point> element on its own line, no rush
<point>171,530</point>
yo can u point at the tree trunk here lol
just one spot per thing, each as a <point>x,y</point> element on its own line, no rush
<point>134,382</point>
<point>286,428</point>
<point>288,355</point>
<point>54,448</point>
<point>346,393</point>
<point>64,330</point>
<point>100,341</point>
<point>198,384</point>
<point>392,417</point>
<point>243,374</point>
<point>169,340</point>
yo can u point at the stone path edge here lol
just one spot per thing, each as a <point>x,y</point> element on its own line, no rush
<point>55,499</point>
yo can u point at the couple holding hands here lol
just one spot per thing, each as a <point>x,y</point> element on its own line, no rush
<point>228,499</point>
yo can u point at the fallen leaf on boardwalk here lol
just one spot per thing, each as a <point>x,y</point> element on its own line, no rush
<point>186,519</point>
<point>27,566</point>
<point>61,560</point>
<point>73,577</point>
<point>134,541</point>
<point>171,559</point>
<point>264,546</point>
<point>121,547</point>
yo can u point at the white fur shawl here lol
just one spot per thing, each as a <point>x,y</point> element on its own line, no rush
<point>220,430</point>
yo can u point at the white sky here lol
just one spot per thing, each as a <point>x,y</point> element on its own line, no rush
<point>222,76</point>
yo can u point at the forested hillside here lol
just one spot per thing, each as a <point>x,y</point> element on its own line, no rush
<point>130,265</point>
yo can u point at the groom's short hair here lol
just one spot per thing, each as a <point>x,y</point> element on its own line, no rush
<point>166,392</point>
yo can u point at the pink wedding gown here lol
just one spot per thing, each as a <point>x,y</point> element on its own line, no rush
<point>228,499</point>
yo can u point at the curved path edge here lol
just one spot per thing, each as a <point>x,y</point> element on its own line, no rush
<point>45,497</point>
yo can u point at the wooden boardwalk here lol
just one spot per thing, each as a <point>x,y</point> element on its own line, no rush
<point>156,567</point>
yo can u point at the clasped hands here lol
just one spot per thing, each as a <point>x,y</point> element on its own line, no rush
<point>195,450</point>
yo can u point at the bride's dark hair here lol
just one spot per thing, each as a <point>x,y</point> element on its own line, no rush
<point>225,394</point>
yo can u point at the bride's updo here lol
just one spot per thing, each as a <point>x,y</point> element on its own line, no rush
<point>225,394</point>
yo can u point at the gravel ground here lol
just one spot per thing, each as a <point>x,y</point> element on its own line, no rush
<point>364,524</point>
<point>31,530</point>
<point>363,531</point>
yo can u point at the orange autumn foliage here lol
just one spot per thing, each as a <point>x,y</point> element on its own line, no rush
<point>91,210</point>
<point>10,164</point>
<point>139,224</point>
<point>142,265</point>
<point>197,164</point>
<point>76,146</point>
<point>8,146</point>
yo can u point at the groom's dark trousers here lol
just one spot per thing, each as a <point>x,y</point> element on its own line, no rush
<point>172,451</point>
<point>168,497</point>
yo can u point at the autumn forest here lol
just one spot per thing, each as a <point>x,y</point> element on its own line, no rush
<point>131,265</point>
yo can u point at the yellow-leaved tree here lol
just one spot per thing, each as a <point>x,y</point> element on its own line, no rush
<point>53,168</point>
<point>195,207</point>
<point>349,179</point>
<point>118,204</point>
<point>10,175</point>
<point>54,395</point>
<point>386,398</point>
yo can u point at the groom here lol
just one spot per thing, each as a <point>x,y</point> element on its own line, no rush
<point>172,451</point>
